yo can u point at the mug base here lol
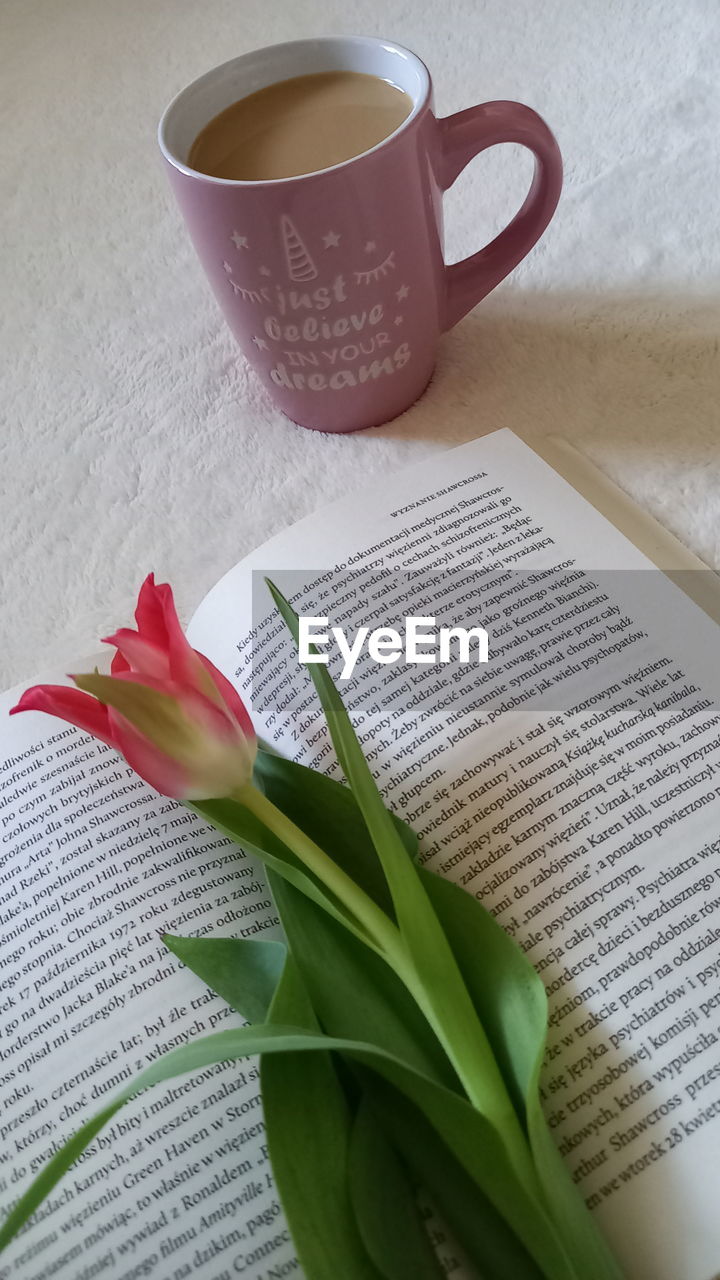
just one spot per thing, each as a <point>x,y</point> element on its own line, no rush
<point>380,420</point>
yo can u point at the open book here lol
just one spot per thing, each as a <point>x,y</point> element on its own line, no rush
<point>574,787</point>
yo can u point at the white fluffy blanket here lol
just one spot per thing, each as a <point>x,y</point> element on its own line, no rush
<point>134,437</point>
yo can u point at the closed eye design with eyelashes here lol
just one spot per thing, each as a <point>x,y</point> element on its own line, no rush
<point>375,273</point>
<point>251,295</point>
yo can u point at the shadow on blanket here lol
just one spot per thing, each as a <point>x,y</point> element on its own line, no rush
<point>637,376</point>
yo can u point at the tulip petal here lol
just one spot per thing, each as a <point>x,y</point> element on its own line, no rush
<point>212,716</point>
<point>171,716</point>
<point>230,697</point>
<point>183,660</point>
<point>149,613</point>
<point>119,664</point>
<point>148,704</point>
<point>141,655</point>
<point>154,766</point>
<point>199,736</point>
<point>77,708</point>
<point>159,625</point>
<point>202,769</point>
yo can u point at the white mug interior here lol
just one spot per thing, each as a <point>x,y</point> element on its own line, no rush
<point>195,106</point>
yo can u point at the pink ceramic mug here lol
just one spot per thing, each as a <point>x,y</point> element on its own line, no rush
<point>334,282</point>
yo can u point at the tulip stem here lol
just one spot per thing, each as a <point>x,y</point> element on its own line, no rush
<point>380,930</point>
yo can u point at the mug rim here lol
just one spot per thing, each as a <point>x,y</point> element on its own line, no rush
<point>389,45</point>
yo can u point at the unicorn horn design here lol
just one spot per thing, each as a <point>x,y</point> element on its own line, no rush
<point>299,263</point>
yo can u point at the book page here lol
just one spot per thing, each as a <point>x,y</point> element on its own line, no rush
<point>94,867</point>
<point>571,783</point>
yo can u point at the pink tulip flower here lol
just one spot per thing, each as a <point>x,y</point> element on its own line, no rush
<point>174,717</point>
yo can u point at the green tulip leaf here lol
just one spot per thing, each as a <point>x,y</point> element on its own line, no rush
<point>328,812</point>
<point>433,974</point>
<point>485,1237</point>
<point>307,1121</point>
<point>386,1206</point>
<point>247,829</point>
<point>511,1001</point>
<point>477,1145</point>
<point>364,999</point>
<point>244,971</point>
<point>506,991</point>
<point>308,1128</point>
<point>365,1002</point>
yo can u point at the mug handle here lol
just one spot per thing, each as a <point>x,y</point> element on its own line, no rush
<point>463,136</point>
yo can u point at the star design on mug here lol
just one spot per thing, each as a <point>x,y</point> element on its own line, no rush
<point>370,246</point>
<point>331,240</point>
<point>265,271</point>
<point>239,241</point>
<point>399,319</point>
<point>227,267</point>
<point>261,344</point>
<point>402,292</point>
